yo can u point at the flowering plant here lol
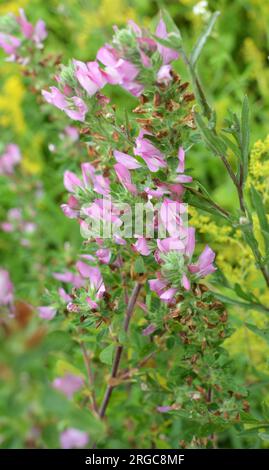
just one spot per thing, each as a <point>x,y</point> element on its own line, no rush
<point>136,303</point>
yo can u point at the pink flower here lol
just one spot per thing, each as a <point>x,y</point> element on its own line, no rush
<point>124,176</point>
<point>68,384</point>
<point>99,183</point>
<point>119,70</point>
<point>169,294</point>
<point>170,216</point>
<point>27,28</point>
<point>104,255</point>
<point>149,330</point>
<point>150,154</point>
<point>40,32</point>
<point>183,179</point>
<point>77,109</point>
<point>135,27</point>
<point>185,282</point>
<point>14,214</point>
<point>94,275</point>
<point>7,227</point>
<point>9,159</point>
<point>37,33</point>
<point>167,53</point>
<point>181,160</point>
<point>141,246</point>
<point>145,60</point>
<point>9,44</point>
<point>73,438</point>
<point>190,242</point>
<point>204,265</point>
<point>181,168</point>
<point>70,278</point>
<point>64,296</point>
<point>71,209</point>
<point>158,285</point>
<point>167,244</point>
<point>103,210</point>
<point>73,106</point>
<point>164,74</point>
<point>72,182</point>
<point>164,409</point>
<point>6,288</point>
<point>55,97</point>
<point>90,76</point>
<point>72,133</point>
<point>47,313</point>
<point>129,162</point>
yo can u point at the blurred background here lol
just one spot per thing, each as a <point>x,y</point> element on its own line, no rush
<point>234,62</point>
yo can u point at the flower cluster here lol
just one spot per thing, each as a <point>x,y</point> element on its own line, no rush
<point>132,61</point>
<point>147,172</point>
<point>9,159</point>
<point>18,36</point>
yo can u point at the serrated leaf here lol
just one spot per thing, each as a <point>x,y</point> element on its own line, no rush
<point>195,54</point>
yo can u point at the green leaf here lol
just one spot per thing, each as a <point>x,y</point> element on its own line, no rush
<point>212,141</point>
<point>232,146</point>
<point>170,24</point>
<point>106,355</point>
<point>262,333</point>
<point>172,42</point>
<point>139,266</point>
<point>258,205</point>
<point>245,305</point>
<point>174,39</point>
<point>195,54</point>
<point>245,136</point>
<point>244,295</point>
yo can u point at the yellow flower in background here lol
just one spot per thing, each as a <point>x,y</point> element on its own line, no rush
<point>32,156</point>
<point>11,97</point>
<point>259,167</point>
<point>12,6</point>
<point>237,263</point>
<point>12,117</point>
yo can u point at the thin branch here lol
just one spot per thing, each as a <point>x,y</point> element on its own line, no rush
<point>236,183</point>
<point>210,201</point>
<point>119,349</point>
